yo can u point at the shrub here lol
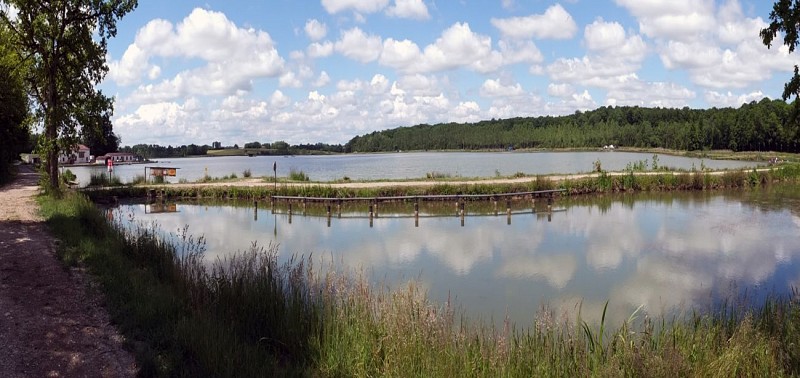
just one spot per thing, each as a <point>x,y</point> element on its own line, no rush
<point>246,173</point>
<point>298,175</point>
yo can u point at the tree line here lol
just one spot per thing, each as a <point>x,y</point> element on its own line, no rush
<point>766,125</point>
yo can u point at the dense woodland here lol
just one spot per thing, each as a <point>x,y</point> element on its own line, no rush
<point>767,125</point>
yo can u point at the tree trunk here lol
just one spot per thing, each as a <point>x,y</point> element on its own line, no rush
<point>51,123</point>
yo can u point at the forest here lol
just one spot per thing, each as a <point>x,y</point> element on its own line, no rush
<point>766,125</point>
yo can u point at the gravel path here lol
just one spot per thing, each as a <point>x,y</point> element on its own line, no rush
<point>51,323</point>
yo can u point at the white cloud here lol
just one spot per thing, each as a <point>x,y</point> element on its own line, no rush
<point>234,56</point>
<point>729,99</point>
<point>320,50</point>
<point>289,80</point>
<point>493,88</point>
<point>560,90</point>
<point>360,6</point>
<point>322,80</point>
<point>315,30</point>
<point>458,46</point>
<point>279,100</point>
<point>414,9</point>
<point>650,94</point>
<point>555,23</point>
<point>682,20</point>
<point>514,52</point>
<point>601,35</point>
<point>357,45</point>
<point>399,54</point>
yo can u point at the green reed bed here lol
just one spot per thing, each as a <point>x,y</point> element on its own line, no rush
<point>248,315</point>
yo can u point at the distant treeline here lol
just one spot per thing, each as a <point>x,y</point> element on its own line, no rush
<point>767,125</point>
<point>151,151</point>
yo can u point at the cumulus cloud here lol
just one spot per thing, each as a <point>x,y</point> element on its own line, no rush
<point>732,100</point>
<point>361,6</point>
<point>555,23</point>
<point>234,56</point>
<point>560,90</point>
<point>458,46</point>
<point>650,94</point>
<point>357,45</point>
<point>414,9</point>
<point>493,88</point>
<point>613,59</point>
<point>320,50</point>
<point>315,30</point>
<point>682,20</point>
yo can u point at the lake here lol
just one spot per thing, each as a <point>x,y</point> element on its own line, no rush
<point>408,165</point>
<point>660,251</point>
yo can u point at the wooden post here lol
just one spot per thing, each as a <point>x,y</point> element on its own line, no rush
<point>550,204</point>
<point>370,212</point>
<point>508,207</point>
<point>416,209</point>
<point>290,208</point>
<point>329,211</point>
<point>255,210</point>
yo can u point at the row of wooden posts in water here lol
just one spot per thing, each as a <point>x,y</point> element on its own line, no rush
<point>460,203</point>
<point>459,200</point>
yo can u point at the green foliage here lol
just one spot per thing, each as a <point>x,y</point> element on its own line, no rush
<point>14,132</point>
<point>247,173</point>
<point>68,177</point>
<point>104,179</point>
<point>68,40</point>
<point>785,18</point>
<point>758,126</point>
<point>298,175</point>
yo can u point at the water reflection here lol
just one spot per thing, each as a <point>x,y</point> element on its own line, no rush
<point>659,251</point>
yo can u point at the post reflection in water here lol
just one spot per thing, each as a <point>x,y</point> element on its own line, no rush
<point>661,251</point>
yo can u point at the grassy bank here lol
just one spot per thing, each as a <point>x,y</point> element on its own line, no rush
<point>250,316</point>
<point>603,182</point>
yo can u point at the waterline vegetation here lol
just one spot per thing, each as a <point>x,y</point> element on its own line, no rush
<point>635,179</point>
<point>249,315</point>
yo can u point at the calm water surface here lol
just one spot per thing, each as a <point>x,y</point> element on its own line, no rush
<point>408,165</point>
<point>661,251</point>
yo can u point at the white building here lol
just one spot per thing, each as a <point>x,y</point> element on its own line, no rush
<point>79,155</point>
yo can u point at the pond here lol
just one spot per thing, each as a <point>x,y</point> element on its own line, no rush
<point>393,166</point>
<point>660,251</point>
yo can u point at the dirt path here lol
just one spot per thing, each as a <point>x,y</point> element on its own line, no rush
<point>50,324</point>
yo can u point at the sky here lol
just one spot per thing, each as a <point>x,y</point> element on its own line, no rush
<point>313,71</point>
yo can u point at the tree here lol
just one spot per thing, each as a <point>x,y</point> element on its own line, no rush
<point>96,128</point>
<point>65,44</point>
<point>785,17</point>
<point>14,132</point>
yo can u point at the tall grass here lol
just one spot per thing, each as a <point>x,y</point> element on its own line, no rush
<point>248,315</point>
<point>104,179</point>
<point>298,175</point>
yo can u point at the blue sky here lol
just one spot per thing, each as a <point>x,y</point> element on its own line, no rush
<point>326,70</point>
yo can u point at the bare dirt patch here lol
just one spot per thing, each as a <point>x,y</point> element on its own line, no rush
<point>51,324</point>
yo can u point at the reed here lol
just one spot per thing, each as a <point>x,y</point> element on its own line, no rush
<point>104,179</point>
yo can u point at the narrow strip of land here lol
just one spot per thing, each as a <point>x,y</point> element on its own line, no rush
<point>50,324</point>
<point>255,182</point>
